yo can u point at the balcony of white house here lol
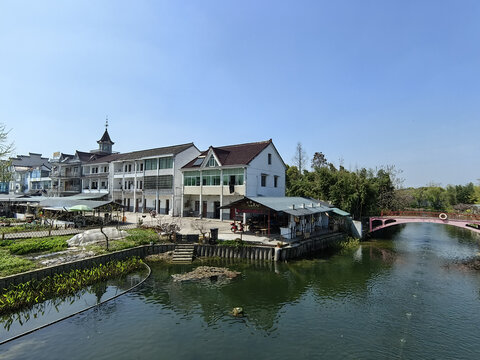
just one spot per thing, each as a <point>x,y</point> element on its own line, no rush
<point>215,190</point>
<point>212,183</point>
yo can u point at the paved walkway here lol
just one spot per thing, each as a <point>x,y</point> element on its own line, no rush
<point>191,225</point>
<point>187,225</point>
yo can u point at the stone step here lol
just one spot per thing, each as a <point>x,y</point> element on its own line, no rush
<point>183,253</point>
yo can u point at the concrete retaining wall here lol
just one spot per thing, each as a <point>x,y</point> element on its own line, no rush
<point>307,247</point>
<point>230,252</point>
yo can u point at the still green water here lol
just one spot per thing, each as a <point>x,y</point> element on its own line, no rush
<point>396,297</point>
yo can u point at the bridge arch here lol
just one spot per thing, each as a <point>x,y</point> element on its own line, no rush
<point>470,222</point>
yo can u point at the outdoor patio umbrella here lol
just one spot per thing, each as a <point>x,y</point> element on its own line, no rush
<point>80,207</point>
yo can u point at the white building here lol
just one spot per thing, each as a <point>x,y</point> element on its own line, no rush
<point>142,180</point>
<point>221,175</point>
<point>30,173</point>
<point>70,174</point>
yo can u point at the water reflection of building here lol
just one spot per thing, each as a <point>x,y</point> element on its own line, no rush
<point>263,289</point>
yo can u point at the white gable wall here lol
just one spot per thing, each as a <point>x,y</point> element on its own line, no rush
<point>259,166</point>
<point>181,160</point>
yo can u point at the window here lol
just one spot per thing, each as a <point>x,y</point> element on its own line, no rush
<point>166,163</point>
<point>104,185</point>
<point>211,162</point>
<point>269,159</point>
<point>275,181</point>
<point>197,205</point>
<point>233,175</point>
<point>163,182</point>
<point>264,180</point>
<point>105,169</point>
<point>129,167</point>
<point>198,162</point>
<point>211,177</point>
<point>191,178</point>
<point>151,164</point>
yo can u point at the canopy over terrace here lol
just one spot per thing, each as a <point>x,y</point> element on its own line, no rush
<point>299,210</point>
<point>62,203</point>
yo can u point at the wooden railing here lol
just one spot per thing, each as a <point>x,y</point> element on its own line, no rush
<point>431,214</point>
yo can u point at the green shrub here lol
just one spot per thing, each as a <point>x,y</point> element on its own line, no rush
<point>349,244</point>
<point>142,236</point>
<point>5,243</point>
<point>27,246</point>
<point>234,243</point>
<point>13,264</point>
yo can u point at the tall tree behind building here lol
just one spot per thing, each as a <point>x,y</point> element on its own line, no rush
<point>6,149</point>
<point>300,158</point>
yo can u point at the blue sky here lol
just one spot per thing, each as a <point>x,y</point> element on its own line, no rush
<point>368,83</point>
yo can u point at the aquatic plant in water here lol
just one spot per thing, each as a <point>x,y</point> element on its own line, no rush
<point>16,297</point>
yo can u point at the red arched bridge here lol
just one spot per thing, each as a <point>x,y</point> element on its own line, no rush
<point>392,218</point>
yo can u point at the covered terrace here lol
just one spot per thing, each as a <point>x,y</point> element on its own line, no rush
<point>289,217</point>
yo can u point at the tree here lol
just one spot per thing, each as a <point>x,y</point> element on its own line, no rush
<point>319,160</point>
<point>300,158</point>
<point>6,150</point>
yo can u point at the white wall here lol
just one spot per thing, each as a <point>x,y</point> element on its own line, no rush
<point>259,166</point>
<point>179,161</point>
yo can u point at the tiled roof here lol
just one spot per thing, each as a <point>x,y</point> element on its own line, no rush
<point>240,154</point>
<point>84,156</point>
<point>31,160</point>
<point>105,159</point>
<point>168,150</point>
<point>105,138</point>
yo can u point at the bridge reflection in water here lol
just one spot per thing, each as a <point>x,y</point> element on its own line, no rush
<point>392,218</point>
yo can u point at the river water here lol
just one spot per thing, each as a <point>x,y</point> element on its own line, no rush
<point>398,296</point>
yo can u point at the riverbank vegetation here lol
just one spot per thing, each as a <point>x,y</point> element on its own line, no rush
<point>16,297</point>
<point>435,197</point>
<point>349,244</point>
<point>365,192</point>
<point>237,243</point>
<point>361,192</point>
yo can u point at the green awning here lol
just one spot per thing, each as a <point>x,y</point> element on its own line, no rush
<point>340,212</point>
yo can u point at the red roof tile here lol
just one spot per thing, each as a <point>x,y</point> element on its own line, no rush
<point>240,154</point>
